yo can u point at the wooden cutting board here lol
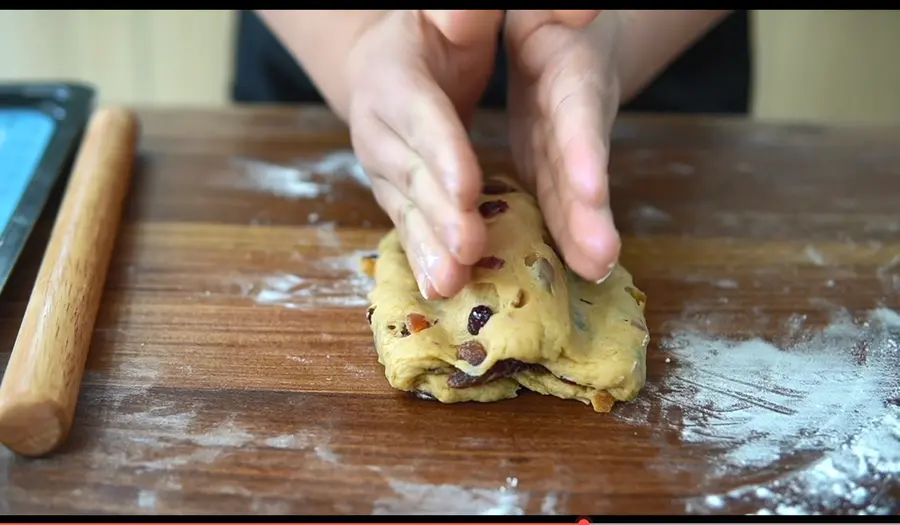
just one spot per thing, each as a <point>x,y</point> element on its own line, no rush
<point>232,370</point>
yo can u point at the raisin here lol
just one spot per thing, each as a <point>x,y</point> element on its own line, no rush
<point>585,301</point>
<point>417,323</point>
<point>490,209</point>
<point>490,262</point>
<point>404,331</point>
<point>369,313</point>
<point>471,352</point>
<point>419,394</point>
<point>496,187</point>
<point>501,369</point>
<point>478,317</point>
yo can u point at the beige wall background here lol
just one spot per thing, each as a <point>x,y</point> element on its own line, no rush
<point>822,66</point>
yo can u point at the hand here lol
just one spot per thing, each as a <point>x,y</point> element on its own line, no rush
<point>563,98</point>
<point>417,78</point>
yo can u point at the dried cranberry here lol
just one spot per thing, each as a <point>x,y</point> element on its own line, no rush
<point>478,317</point>
<point>490,262</point>
<point>496,187</point>
<point>369,313</point>
<point>417,322</point>
<point>490,209</point>
<point>471,352</point>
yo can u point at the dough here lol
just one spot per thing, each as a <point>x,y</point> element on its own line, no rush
<point>523,321</point>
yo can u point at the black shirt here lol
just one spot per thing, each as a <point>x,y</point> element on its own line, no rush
<point>713,76</point>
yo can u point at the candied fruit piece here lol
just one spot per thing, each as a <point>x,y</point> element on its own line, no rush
<point>417,323</point>
<point>368,265</point>
<point>639,297</point>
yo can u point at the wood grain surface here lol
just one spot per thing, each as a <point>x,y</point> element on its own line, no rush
<point>232,370</point>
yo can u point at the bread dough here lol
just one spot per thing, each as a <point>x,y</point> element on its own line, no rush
<point>524,319</point>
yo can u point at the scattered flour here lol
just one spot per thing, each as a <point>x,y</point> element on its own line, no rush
<point>814,255</point>
<point>302,179</point>
<point>147,500</point>
<point>452,499</point>
<point>828,400</point>
<point>344,286</point>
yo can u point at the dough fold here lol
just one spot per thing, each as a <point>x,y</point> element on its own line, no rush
<point>525,320</point>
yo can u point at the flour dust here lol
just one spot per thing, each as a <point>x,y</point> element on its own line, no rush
<point>300,179</point>
<point>338,282</point>
<point>428,499</point>
<point>828,399</point>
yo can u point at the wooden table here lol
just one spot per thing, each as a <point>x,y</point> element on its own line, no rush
<point>232,370</point>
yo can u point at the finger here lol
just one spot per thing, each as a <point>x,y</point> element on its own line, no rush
<point>553,210</point>
<point>466,27</point>
<point>576,102</point>
<point>436,273</point>
<point>419,111</point>
<point>579,108</point>
<point>588,220</point>
<point>384,153</point>
<point>574,18</point>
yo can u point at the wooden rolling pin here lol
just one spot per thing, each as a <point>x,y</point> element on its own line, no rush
<point>41,383</point>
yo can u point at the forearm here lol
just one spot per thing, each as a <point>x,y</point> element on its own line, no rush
<point>321,41</point>
<point>651,40</point>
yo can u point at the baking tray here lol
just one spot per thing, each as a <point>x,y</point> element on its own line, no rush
<point>40,130</point>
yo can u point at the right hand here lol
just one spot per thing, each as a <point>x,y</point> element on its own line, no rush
<point>416,79</point>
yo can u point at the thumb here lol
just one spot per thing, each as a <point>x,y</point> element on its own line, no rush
<point>574,18</point>
<point>466,27</point>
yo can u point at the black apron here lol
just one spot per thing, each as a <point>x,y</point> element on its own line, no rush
<point>712,77</point>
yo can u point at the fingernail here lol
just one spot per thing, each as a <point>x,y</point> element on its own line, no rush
<point>612,267</point>
<point>427,263</point>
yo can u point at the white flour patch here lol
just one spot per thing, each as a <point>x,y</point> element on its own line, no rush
<point>548,504</point>
<point>828,400</point>
<point>680,168</point>
<point>301,179</point>
<point>226,434</point>
<point>647,213</point>
<point>425,498</point>
<point>340,284</point>
<point>325,453</point>
<point>287,182</point>
<point>298,359</point>
<point>814,255</point>
<point>725,284</point>
<point>147,500</point>
<point>290,441</point>
<point>327,235</point>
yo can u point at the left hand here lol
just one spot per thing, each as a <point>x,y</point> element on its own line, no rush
<point>563,99</point>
